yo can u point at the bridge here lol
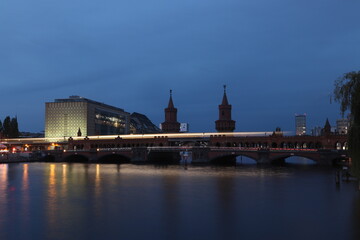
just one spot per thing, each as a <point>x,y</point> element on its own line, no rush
<point>262,147</point>
<point>220,155</point>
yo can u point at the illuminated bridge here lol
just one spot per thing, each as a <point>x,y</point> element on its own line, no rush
<point>263,147</point>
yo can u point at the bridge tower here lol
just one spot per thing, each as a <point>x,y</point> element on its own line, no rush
<point>225,124</point>
<point>171,125</point>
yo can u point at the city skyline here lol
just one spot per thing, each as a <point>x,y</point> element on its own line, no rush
<point>277,59</point>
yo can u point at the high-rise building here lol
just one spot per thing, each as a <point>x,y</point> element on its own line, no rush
<point>316,131</point>
<point>342,126</point>
<point>76,116</point>
<point>300,124</point>
<point>225,123</point>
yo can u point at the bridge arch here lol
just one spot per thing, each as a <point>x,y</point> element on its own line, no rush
<point>164,157</point>
<point>345,146</point>
<point>114,158</point>
<point>230,159</point>
<point>284,158</point>
<point>76,158</point>
<point>318,145</point>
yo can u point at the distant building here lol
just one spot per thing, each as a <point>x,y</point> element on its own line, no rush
<point>71,116</point>
<point>316,131</point>
<point>278,132</point>
<point>342,126</point>
<point>300,124</point>
<point>184,127</point>
<point>139,123</point>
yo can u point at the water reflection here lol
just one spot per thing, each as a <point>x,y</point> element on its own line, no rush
<point>51,196</point>
<point>225,195</point>
<point>3,195</point>
<point>356,218</point>
<point>25,195</point>
<point>170,205</point>
<point>94,201</point>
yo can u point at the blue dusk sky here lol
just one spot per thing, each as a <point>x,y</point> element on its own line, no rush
<point>278,58</point>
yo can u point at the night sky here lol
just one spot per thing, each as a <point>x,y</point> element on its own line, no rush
<point>278,58</point>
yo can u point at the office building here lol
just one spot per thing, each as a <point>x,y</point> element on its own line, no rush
<point>300,124</point>
<point>316,131</point>
<point>76,116</point>
<point>141,124</point>
<point>342,126</point>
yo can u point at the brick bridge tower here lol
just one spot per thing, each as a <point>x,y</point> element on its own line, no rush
<point>171,125</point>
<point>225,124</point>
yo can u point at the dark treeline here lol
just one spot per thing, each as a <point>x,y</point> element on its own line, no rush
<point>9,127</point>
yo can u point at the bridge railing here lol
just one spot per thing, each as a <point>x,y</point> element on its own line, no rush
<point>99,150</point>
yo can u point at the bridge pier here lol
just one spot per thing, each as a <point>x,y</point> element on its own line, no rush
<point>93,156</point>
<point>263,157</point>
<point>200,155</point>
<point>139,155</point>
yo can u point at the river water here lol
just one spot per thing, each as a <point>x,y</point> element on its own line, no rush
<point>109,201</point>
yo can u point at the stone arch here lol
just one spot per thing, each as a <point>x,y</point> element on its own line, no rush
<point>76,158</point>
<point>228,159</point>
<point>164,157</point>
<point>48,158</point>
<point>114,158</point>
<point>318,145</point>
<point>282,159</point>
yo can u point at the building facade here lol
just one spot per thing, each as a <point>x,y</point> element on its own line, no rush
<point>300,124</point>
<point>141,124</point>
<point>342,126</point>
<point>71,116</point>
<point>316,131</point>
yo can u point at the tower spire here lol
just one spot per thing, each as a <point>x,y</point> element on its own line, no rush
<point>224,100</point>
<point>171,104</point>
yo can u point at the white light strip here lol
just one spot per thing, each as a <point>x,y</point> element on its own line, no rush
<point>142,136</point>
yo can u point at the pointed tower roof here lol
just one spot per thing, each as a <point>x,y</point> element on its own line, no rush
<point>224,100</point>
<point>327,128</point>
<point>327,124</point>
<point>171,104</point>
